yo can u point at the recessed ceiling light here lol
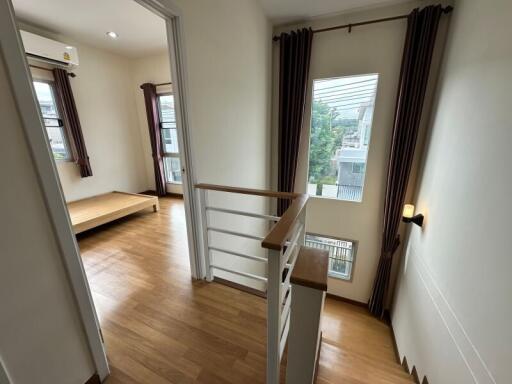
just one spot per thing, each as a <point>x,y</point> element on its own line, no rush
<point>69,47</point>
<point>112,35</point>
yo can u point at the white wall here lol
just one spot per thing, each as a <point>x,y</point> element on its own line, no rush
<point>369,49</point>
<point>453,303</point>
<point>229,78</point>
<point>106,106</point>
<point>228,55</point>
<point>41,335</point>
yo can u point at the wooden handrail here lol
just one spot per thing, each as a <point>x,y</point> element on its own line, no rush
<point>248,191</point>
<point>311,268</point>
<point>284,227</point>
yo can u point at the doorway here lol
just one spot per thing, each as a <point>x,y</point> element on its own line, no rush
<point>48,169</point>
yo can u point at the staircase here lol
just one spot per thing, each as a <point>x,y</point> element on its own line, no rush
<point>413,373</point>
<point>264,263</point>
<point>268,267</point>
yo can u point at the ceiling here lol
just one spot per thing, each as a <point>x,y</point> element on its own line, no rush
<point>140,31</point>
<point>284,11</point>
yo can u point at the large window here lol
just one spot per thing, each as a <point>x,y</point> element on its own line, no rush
<point>341,254</point>
<point>52,119</point>
<point>169,139</point>
<point>341,121</point>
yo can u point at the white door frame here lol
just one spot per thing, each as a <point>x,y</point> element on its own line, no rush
<point>171,13</point>
<point>11,47</point>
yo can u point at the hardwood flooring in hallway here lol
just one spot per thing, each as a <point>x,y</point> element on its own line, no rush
<point>161,327</point>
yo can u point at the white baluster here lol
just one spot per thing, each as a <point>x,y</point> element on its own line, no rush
<point>302,220</point>
<point>273,316</point>
<point>204,224</point>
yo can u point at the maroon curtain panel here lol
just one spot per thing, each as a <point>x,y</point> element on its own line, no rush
<point>150,98</point>
<point>422,26</point>
<point>63,87</point>
<point>295,58</point>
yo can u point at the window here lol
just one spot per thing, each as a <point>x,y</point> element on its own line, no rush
<point>169,139</point>
<point>341,254</point>
<point>357,167</point>
<point>341,121</point>
<point>45,93</point>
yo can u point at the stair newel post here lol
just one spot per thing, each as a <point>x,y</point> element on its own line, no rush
<point>203,201</point>
<point>274,290</point>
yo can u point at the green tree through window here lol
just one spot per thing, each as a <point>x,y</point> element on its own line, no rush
<point>327,131</point>
<point>322,143</point>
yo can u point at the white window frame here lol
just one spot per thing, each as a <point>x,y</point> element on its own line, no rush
<point>335,274</point>
<point>312,96</point>
<point>175,155</point>
<point>59,107</point>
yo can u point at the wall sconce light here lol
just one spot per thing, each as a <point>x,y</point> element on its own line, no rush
<point>409,217</point>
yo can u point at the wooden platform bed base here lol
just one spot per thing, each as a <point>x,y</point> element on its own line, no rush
<point>101,209</point>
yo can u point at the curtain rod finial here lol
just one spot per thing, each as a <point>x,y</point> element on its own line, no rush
<point>448,9</point>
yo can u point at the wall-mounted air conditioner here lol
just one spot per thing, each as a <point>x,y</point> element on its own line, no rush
<point>49,51</point>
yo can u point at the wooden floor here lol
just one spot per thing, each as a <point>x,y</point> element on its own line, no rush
<point>160,327</point>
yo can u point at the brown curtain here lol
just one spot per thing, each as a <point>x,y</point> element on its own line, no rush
<point>422,28</point>
<point>63,87</point>
<point>295,55</point>
<point>153,117</point>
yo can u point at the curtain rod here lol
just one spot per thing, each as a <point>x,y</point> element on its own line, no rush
<point>447,9</point>
<point>71,74</point>
<point>158,85</point>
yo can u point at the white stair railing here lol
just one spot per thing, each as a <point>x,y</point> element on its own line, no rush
<point>282,243</point>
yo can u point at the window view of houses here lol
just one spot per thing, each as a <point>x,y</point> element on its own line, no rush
<point>341,120</point>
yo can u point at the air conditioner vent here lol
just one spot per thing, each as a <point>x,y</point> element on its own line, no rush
<point>49,51</point>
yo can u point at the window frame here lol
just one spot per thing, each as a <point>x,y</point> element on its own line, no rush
<point>63,128</point>
<point>368,143</point>
<point>175,155</point>
<point>355,247</point>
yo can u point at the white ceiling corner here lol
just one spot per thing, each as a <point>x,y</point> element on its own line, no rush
<point>140,31</point>
<point>286,11</point>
